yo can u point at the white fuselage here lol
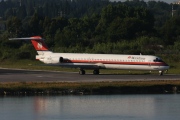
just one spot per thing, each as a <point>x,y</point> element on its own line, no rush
<point>95,61</point>
<point>103,61</point>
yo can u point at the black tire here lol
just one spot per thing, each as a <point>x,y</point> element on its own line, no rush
<point>96,72</point>
<point>82,72</point>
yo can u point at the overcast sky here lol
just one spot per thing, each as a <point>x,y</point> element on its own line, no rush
<point>167,1</point>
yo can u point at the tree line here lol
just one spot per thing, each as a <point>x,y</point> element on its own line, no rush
<point>130,27</point>
<point>50,8</point>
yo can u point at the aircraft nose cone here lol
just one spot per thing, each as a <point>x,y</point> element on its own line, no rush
<point>167,66</point>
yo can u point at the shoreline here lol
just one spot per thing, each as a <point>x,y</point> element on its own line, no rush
<point>90,88</point>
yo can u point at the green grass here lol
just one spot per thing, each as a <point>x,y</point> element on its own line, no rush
<point>174,68</point>
<point>65,88</point>
<point>36,65</point>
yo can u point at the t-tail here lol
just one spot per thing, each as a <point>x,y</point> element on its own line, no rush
<point>38,43</point>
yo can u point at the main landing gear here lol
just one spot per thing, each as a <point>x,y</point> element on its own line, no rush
<point>161,73</point>
<point>96,72</point>
<point>82,72</point>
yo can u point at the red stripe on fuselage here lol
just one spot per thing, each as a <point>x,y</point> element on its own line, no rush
<point>118,62</point>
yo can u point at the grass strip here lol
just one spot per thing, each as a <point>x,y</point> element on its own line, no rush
<point>90,88</point>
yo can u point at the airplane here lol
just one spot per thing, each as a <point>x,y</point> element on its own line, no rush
<point>95,61</point>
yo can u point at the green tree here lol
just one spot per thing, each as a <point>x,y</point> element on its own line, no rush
<point>30,7</point>
<point>34,25</point>
<point>21,12</point>
<point>171,30</point>
<point>14,26</point>
<point>9,13</point>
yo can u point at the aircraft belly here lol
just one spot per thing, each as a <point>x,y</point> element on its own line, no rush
<point>135,67</point>
<point>80,65</point>
<point>110,66</point>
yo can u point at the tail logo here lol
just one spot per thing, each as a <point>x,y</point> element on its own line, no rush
<point>39,45</point>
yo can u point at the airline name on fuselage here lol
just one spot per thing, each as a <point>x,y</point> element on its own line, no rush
<point>136,58</point>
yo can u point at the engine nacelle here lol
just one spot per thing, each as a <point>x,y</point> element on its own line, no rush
<point>61,59</point>
<point>51,60</point>
<point>57,60</point>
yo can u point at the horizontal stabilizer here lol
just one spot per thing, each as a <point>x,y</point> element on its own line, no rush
<point>28,38</point>
<point>38,43</point>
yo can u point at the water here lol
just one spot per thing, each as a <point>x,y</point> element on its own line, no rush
<point>105,107</point>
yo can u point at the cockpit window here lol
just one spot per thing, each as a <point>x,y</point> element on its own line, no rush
<point>158,60</point>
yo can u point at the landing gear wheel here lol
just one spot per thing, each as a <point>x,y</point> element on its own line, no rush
<point>82,72</point>
<point>161,73</point>
<point>96,72</point>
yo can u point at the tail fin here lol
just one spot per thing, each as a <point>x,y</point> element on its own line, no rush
<point>38,43</point>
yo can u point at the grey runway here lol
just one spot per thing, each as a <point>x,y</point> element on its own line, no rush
<point>18,75</point>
